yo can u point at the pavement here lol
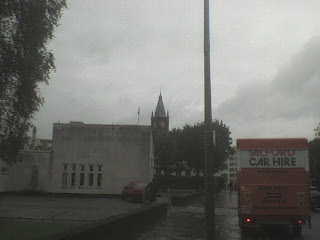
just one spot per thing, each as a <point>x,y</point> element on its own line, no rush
<point>61,208</point>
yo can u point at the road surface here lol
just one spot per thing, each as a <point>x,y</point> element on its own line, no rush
<point>187,222</point>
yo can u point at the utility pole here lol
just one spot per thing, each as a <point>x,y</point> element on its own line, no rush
<point>209,164</point>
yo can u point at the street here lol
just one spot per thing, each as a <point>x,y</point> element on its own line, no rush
<point>182,222</point>
<point>187,222</point>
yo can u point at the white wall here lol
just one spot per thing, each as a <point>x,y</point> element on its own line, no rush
<point>29,174</point>
<point>125,151</point>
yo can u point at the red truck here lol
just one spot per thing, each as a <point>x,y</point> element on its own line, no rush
<point>273,182</point>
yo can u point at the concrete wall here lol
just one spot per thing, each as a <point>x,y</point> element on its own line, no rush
<point>29,174</point>
<point>124,151</point>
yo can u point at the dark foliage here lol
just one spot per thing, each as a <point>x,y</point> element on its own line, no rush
<point>186,182</point>
<point>183,149</point>
<point>26,26</point>
<point>180,182</point>
<point>314,155</point>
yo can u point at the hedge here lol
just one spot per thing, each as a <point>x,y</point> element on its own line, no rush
<point>180,182</point>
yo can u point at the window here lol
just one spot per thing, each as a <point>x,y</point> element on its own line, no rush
<point>64,179</point>
<point>90,183</point>
<point>65,175</point>
<point>99,176</point>
<point>73,179</point>
<point>73,175</point>
<point>99,180</point>
<point>141,185</point>
<point>82,167</point>
<point>82,174</point>
<point>81,179</point>
<point>232,175</point>
<point>90,176</point>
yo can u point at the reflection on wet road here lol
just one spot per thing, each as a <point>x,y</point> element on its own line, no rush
<point>187,222</point>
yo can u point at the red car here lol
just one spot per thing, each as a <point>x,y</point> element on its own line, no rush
<point>134,191</point>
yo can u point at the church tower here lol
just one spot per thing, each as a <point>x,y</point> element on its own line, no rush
<point>160,120</point>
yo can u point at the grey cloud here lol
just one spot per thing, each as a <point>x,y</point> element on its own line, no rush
<point>114,56</point>
<point>292,96</point>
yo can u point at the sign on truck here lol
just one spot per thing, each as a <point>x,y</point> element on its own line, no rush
<point>273,182</point>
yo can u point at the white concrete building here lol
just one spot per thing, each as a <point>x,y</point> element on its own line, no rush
<point>29,174</point>
<point>85,158</point>
<point>91,158</point>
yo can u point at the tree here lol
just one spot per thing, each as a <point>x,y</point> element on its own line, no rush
<point>314,155</point>
<point>175,148</point>
<point>223,142</point>
<point>317,131</point>
<point>162,151</point>
<point>26,26</point>
<point>191,146</point>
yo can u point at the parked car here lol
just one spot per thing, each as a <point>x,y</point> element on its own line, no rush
<point>134,191</point>
<point>315,197</point>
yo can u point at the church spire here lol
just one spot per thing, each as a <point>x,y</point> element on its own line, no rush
<point>160,111</point>
<point>160,120</point>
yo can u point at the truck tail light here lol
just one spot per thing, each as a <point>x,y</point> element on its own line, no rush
<point>300,221</point>
<point>248,220</point>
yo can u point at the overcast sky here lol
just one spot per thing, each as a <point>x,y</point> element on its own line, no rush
<point>115,56</point>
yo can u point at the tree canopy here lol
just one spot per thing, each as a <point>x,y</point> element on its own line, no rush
<point>26,26</point>
<point>314,155</point>
<point>183,149</point>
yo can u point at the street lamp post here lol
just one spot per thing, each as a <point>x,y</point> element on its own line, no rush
<point>209,145</point>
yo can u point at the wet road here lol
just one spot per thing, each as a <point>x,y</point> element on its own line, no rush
<point>187,222</point>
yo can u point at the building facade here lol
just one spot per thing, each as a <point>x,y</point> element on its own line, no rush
<point>85,158</point>
<point>91,158</point>
<point>34,143</point>
<point>29,174</point>
<point>232,163</point>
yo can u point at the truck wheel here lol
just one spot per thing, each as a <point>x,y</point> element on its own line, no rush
<point>297,229</point>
